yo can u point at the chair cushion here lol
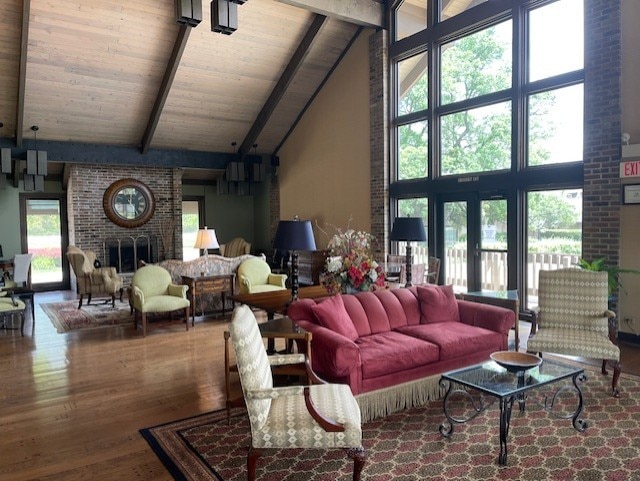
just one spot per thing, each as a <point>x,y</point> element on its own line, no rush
<point>265,288</point>
<point>289,424</point>
<point>331,314</point>
<point>573,342</point>
<point>164,303</point>
<point>437,304</point>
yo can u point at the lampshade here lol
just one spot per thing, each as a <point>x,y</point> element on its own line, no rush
<point>294,235</point>
<point>206,239</point>
<point>408,229</point>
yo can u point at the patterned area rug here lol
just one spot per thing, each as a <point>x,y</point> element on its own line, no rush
<point>66,316</point>
<point>408,446</point>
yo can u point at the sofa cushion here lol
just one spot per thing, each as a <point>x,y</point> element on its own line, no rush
<point>331,314</point>
<point>390,352</point>
<point>455,339</point>
<point>438,304</point>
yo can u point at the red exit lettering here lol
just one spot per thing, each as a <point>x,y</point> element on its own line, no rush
<point>630,169</point>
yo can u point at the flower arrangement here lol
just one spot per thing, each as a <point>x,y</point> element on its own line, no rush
<point>351,266</point>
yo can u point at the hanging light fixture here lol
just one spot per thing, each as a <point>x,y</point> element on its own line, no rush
<point>36,166</point>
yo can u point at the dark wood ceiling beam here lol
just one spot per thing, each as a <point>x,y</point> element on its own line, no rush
<point>22,74</point>
<point>367,13</point>
<point>317,91</point>
<point>85,153</point>
<point>66,175</point>
<point>282,84</point>
<point>165,86</point>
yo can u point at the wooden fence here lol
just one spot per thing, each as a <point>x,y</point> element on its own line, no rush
<point>494,267</point>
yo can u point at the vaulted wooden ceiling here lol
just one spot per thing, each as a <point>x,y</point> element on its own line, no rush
<point>125,73</point>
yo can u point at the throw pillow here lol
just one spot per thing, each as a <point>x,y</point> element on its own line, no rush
<point>332,314</point>
<point>438,304</point>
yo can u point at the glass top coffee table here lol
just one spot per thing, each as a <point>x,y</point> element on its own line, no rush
<point>475,383</point>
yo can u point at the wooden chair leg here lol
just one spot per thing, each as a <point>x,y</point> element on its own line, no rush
<point>144,324</point>
<point>252,459</point>
<point>89,299</point>
<point>186,321</point>
<point>359,458</point>
<point>113,300</point>
<point>604,367</point>
<point>80,302</point>
<point>22,316</point>
<point>617,368</point>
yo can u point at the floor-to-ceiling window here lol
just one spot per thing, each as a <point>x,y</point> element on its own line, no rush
<point>192,220</point>
<point>487,129</point>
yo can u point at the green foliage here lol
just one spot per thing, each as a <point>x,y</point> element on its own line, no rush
<point>614,272</point>
<point>573,234</point>
<point>42,225</point>
<point>556,246</point>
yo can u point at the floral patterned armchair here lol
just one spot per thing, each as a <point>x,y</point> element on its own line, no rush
<point>319,416</point>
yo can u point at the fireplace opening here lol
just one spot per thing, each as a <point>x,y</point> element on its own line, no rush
<point>125,254</point>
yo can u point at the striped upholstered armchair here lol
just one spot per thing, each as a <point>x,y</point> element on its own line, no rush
<point>319,416</point>
<point>572,318</point>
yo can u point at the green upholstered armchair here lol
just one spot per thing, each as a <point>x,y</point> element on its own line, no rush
<point>91,280</point>
<point>153,291</point>
<point>236,247</point>
<point>9,307</point>
<point>572,318</point>
<point>319,416</point>
<point>255,276</point>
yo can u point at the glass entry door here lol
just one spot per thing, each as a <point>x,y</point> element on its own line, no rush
<point>473,229</point>
<point>43,227</point>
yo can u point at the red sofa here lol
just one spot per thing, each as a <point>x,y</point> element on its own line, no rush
<point>390,346</point>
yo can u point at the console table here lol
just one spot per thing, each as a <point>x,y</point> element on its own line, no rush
<point>208,285</point>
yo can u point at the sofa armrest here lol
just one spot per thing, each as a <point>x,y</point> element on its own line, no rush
<point>494,318</point>
<point>331,353</point>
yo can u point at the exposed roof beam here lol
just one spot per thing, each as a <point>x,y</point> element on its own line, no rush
<point>22,75</point>
<point>165,86</point>
<point>282,85</point>
<point>84,153</point>
<point>367,13</point>
<point>66,175</point>
<point>317,91</point>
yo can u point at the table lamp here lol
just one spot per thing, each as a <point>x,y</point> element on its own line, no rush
<point>206,239</point>
<point>294,235</point>
<point>408,229</point>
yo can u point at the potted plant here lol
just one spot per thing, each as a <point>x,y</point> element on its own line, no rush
<point>613,272</point>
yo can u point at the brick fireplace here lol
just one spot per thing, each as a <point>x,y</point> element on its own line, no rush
<point>90,229</point>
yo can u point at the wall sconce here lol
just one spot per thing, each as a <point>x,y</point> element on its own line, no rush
<point>189,12</point>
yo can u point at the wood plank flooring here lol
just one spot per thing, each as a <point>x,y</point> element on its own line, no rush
<point>71,404</point>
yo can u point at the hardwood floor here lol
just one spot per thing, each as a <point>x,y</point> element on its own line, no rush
<point>71,404</point>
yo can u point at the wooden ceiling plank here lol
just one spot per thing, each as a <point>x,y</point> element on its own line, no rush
<point>22,75</point>
<point>366,13</point>
<point>165,86</point>
<point>285,79</point>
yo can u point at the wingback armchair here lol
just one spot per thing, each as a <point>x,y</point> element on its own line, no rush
<point>572,318</point>
<point>318,416</point>
<point>236,247</point>
<point>153,291</point>
<point>90,280</point>
<point>255,276</point>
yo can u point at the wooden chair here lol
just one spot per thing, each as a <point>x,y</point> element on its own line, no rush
<point>433,271</point>
<point>572,318</point>
<point>20,285</point>
<point>318,416</point>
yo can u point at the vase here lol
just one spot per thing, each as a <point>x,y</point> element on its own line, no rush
<point>349,289</point>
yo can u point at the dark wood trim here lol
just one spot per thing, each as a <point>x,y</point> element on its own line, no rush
<point>81,153</point>
<point>165,86</point>
<point>283,83</point>
<point>315,94</point>
<point>64,230</point>
<point>22,75</point>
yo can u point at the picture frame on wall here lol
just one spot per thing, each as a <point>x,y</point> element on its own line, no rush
<point>631,194</point>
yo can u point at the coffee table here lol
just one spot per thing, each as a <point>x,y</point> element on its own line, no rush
<point>490,379</point>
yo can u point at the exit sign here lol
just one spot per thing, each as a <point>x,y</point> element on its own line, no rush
<point>630,168</point>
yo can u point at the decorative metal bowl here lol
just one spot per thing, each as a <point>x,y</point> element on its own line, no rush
<point>516,361</point>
